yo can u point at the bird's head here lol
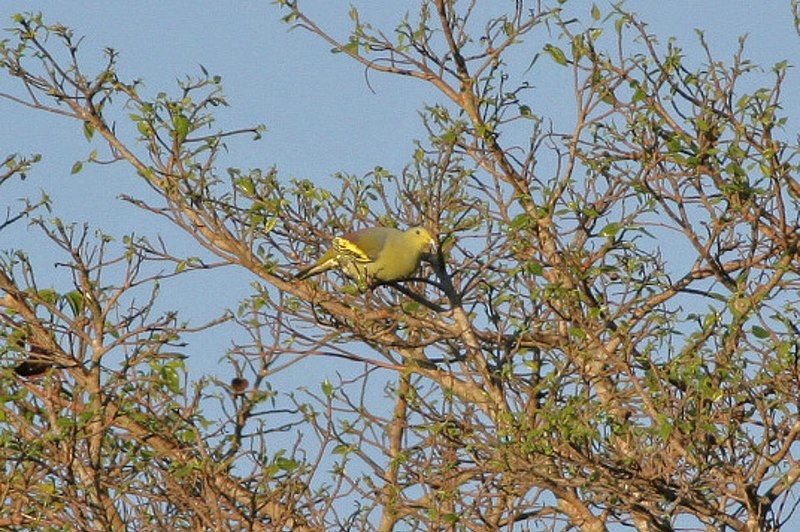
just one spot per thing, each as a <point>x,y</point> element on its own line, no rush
<point>421,236</point>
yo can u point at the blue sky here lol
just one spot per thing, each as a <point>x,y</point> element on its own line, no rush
<point>320,114</point>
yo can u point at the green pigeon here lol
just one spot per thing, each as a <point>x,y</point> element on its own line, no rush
<point>381,253</point>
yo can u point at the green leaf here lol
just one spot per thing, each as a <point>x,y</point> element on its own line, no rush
<point>451,518</point>
<point>48,295</point>
<point>77,167</point>
<point>595,12</point>
<point>664,428</point>
<point>484,131</point>
<point>535,268</point>
<point>449,137</point>
<point>577,332</point>
<point>65,422</point>
<point>780,66</point>
<point>88,130</point>
<point>611,229</point>
<point>520,221</point>
<point>341,449</point>
<point>286,464</point>
<point>183,471</point>
<point>181,124</point>
<point>557,54</point>
<point>760,332</point>
<point>269,225</point>
<point>171,379</point>
<point>247,185</point>
<point>327,388</point>
<point>410,307</point>
<point>75,301</point>
<point>351,47</point>
<point>607,96</point>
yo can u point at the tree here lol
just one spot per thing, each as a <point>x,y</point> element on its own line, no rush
<point>556,363</point>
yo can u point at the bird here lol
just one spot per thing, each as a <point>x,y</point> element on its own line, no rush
<point>38,362</point>
<point>379,253</point>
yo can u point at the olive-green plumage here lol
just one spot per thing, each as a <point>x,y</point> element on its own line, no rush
<point>380,253</point>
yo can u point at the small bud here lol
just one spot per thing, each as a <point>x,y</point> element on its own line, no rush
<point>239,385</point>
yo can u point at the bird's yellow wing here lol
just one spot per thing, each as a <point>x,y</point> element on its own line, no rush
<point>347,248</point>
